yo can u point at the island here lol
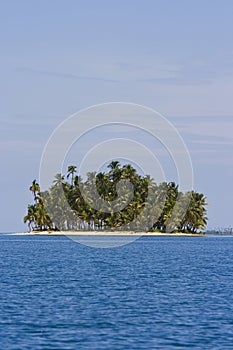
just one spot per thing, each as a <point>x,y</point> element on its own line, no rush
<point>119,201</point>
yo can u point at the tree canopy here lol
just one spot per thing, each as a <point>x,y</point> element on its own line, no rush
<point>119,199</point>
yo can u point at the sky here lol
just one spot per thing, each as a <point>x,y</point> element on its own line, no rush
<point>57,57</point>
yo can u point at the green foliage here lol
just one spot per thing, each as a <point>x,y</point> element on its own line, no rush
<point>150,206</point>
<point>37,216</point>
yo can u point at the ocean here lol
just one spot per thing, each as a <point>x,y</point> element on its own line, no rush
<point>154,293</point>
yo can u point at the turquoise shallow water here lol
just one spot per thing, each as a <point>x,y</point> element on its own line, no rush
<point>155,293</point>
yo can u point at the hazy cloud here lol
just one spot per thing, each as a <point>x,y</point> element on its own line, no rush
<point>50,73</point>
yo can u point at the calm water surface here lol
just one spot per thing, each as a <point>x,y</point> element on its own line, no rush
<point>155,293</point>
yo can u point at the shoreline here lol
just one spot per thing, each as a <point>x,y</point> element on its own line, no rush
<point>106,233</point>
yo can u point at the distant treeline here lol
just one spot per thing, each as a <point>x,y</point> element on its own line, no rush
<point>221,231</point>
<point>63,206</point>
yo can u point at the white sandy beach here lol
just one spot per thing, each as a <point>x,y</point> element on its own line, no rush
<point>104,233</point>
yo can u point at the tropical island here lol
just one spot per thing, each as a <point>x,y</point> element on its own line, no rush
<point>71,204</point>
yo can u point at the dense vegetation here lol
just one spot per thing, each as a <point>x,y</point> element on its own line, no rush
<point>64,207</point>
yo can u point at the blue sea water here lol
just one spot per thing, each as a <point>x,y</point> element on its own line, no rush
<point>155,293</point>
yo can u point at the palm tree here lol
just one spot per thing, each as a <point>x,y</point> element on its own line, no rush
<point>195,216</point>
<point>115,171</point>
<point>43,221</point>
<point>30,217</point>
<point>59,179</point>
<point>114,165</point>
<point>35,189</point>
<point>72,169</point>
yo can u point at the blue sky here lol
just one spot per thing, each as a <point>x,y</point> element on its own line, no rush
<point>60,56</point>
